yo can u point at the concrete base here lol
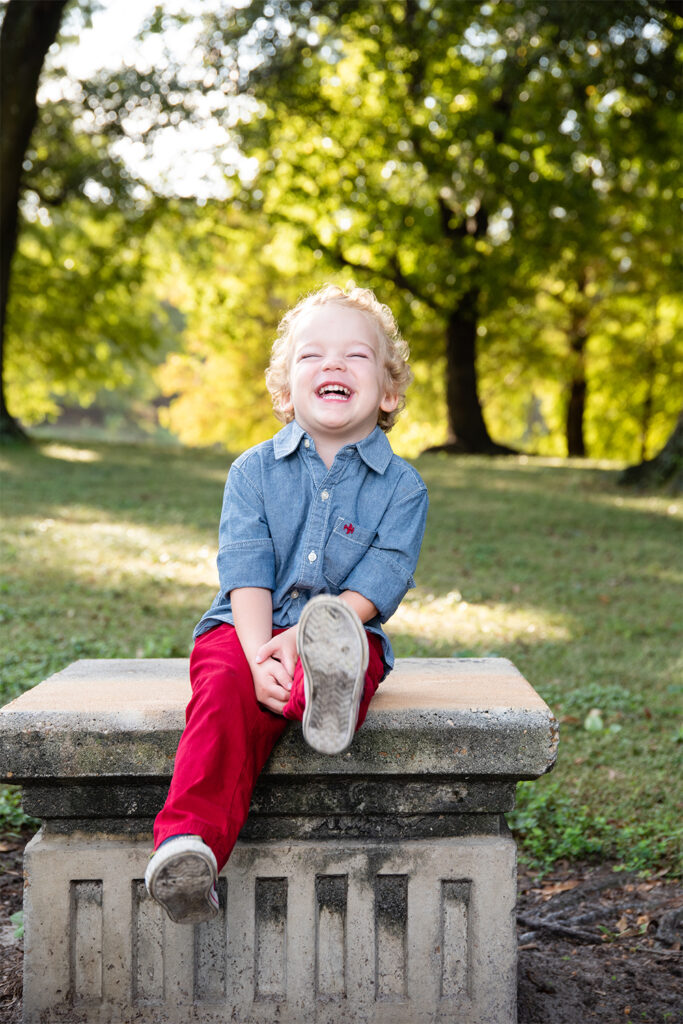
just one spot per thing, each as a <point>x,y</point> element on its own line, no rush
<point>328,932</point>
<point>378,886</point>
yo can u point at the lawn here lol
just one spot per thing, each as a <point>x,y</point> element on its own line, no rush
<point>108,551</point>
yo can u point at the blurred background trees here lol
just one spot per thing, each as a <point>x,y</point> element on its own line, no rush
<point>504,174</point>
<point>27,33</point>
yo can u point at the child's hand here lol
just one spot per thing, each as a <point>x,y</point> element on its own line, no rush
<point>272,684</point>
<point>283,648</point>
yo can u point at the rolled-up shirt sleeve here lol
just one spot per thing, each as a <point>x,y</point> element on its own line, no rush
<point>385,572</point>
<point>246,555</point>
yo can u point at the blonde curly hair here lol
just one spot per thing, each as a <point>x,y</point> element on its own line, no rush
<point>393,349</point>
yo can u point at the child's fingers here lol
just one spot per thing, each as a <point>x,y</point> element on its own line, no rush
<point>281,675</point>
<point>288,661</point>
<point>276,698</point>
<point>272,691</point>
<point>264,652</point>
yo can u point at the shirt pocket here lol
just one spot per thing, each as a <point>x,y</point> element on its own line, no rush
<point>345,547</point>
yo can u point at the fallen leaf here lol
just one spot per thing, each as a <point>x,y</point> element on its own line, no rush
<point>593,721</point>
<point>551,890</point>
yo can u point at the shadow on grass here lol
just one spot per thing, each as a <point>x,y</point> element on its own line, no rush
<point>80,619</point>
<point>168,484</point>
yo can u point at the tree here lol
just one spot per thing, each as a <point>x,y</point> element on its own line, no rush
<point>233,279</point>
<point>28,30</point>
<point>79,307</point>
<point>461,158</point>
<point>431,148</point>
<point>664,468</point>
<point>85,310</point>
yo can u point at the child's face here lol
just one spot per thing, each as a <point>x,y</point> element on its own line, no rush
<point>336,378</point>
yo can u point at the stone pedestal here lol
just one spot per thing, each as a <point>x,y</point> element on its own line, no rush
<point>377,886</point>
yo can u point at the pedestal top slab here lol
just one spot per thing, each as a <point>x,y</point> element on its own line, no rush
<point>120,717</point>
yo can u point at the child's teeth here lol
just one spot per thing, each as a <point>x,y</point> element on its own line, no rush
<point>334,390</point>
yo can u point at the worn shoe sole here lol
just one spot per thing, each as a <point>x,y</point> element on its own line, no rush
<point>333,649</point>
<point>181,876</point>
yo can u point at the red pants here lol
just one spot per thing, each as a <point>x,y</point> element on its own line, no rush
<point>227,740</point>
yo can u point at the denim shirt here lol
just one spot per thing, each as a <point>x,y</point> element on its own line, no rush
<point>293,526</point>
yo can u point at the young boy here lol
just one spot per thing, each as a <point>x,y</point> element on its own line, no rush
<point>319,536</point>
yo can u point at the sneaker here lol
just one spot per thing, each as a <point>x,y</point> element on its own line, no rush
<point>333,649</point>
<point>181,876</point>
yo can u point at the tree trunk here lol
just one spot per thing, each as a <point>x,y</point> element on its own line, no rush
<point>576,405</point>
<point>665,468</point>
<point>28,30</point>
<point>646,415</point>
<point>467,432</point>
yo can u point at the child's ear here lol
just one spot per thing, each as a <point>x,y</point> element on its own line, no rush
<point>287,405</point>
<point>389,402</point>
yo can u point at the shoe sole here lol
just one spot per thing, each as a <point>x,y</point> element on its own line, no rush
<point>183,882</point>
<point>333,649</point>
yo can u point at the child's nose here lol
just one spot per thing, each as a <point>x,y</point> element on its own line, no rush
<point>334,361</point>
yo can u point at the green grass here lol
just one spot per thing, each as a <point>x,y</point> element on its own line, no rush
<point>108,551</point>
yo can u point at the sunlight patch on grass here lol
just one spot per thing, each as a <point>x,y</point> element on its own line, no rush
<point>659,504</point>
<point>434,620</point>
<point>67,453</point>
<point>556,462</point>
<point>116,551</point>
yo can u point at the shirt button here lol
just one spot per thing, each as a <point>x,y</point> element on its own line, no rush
<point>312,556</point>
<point>307,443</point>
<point>325,495</point>
<point>294,595</point>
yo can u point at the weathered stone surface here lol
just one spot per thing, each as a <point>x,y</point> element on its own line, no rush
<point>347,933</point>
<point>369,826</point>
<point>277,796</point>
<point>469,717</point>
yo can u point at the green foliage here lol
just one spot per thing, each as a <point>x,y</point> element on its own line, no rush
<point>83,311</point>
<point>471,159</point>
<point>81,315</point>
<point>473,162</point>
<point>551,825</point>
<point>12,816</point>
<point>609,697</point>
<point>234,277</point>
<point>17,919</point>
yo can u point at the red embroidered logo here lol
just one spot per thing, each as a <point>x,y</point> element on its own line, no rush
<point>348,528</point>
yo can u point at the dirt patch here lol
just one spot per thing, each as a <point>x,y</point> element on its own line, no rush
<point>11,948</point>
<point>594,945</point>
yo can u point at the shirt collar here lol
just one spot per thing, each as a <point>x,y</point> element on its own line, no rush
<point>287,440</point>
<point>374,450</point>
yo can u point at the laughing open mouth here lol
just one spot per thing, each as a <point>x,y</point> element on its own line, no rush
<point>337,391</point>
